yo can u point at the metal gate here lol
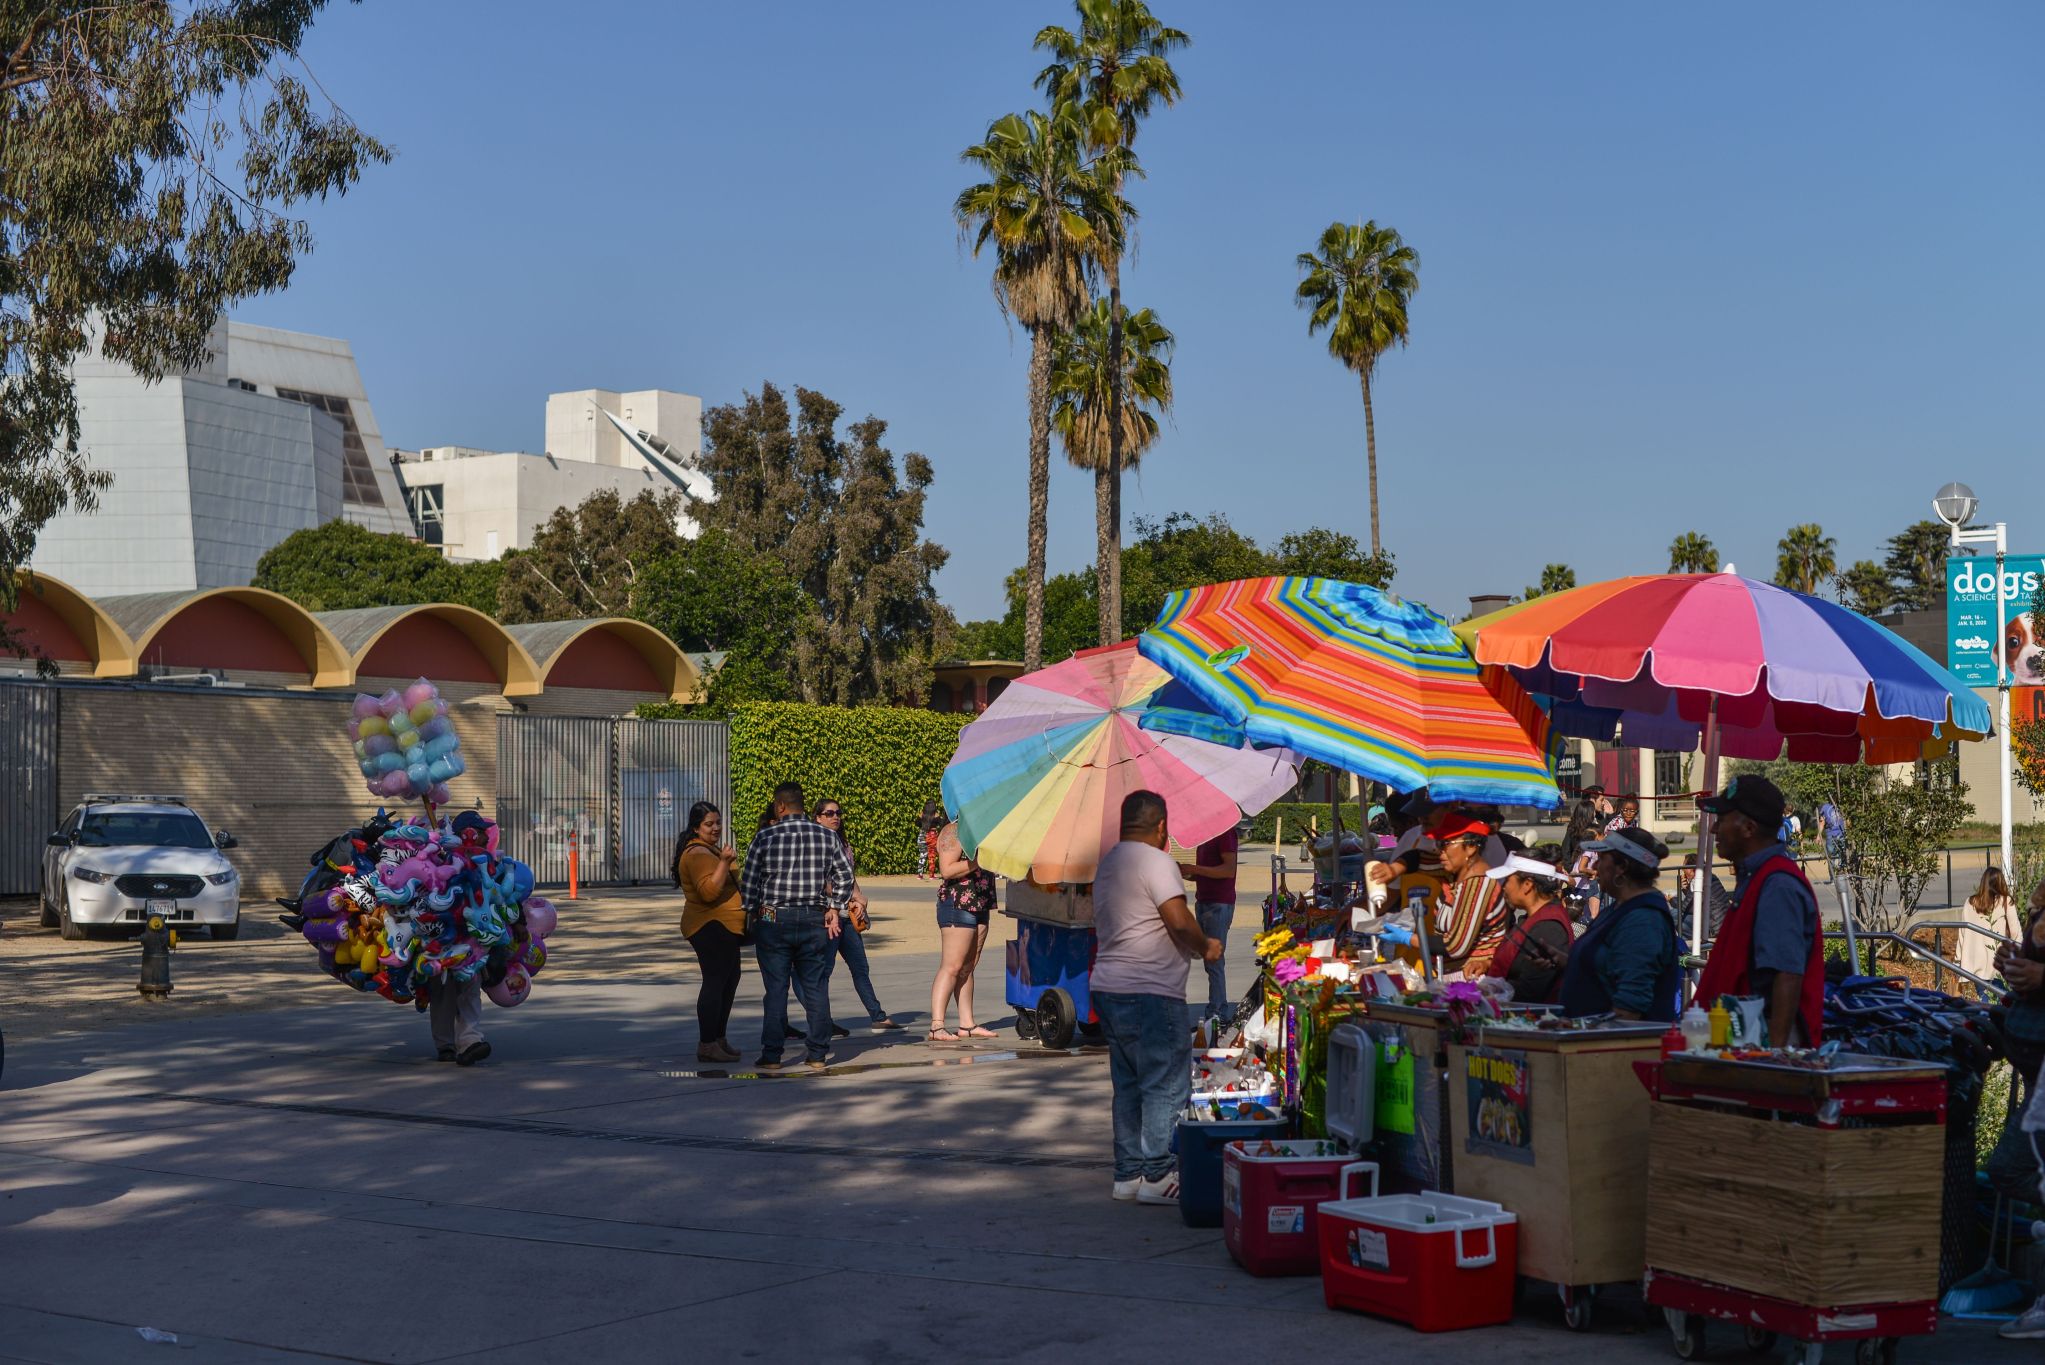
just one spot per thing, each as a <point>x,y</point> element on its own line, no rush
<point>612,791</point>
<point>28,783</point>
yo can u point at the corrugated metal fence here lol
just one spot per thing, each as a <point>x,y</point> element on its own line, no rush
<point>28,783</point>
<point>617,790</point>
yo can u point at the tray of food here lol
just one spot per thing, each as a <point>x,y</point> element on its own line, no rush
<point>1804,1072</point>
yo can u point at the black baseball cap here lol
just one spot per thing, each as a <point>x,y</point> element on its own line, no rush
<point>1754,797</point>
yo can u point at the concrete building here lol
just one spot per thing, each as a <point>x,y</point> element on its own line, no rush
<point>477,504</point>
<point>272,434</point>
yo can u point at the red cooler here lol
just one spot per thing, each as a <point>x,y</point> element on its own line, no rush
<point>1270,1192</point>
<point>1433,1261</point>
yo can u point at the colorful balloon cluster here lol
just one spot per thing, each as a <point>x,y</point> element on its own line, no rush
<point>405,744</point>
<point>399,908</point>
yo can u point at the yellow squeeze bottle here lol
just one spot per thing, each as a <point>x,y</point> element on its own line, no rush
<point>1721,1024</point>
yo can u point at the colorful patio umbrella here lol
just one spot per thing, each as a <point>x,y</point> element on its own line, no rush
<point>1745,668</point>
<point>1786,673</point>
<point>1038,780</point>
<point>1362,680</point>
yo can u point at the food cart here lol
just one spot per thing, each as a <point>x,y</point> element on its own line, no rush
<point>1548,1120</point>
<point>1412,1106</point>
<point>1047,964</point>
<point>1796,1195</point>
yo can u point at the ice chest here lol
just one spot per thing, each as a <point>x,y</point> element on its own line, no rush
<point>1199,1146</point>
<point>1433,1261</point>
<point>1270,1192</point>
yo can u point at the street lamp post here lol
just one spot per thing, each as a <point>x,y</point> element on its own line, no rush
<point>1956,505</point>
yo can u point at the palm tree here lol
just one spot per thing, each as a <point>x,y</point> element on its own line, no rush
<point>1085,391</point>
<point>1693,552</point>
<point>1114,70</point>
<point>1048,213</point>
<point>1865,587</point>
<point>1805,558</point>
<point>1554,578</point>
<point>1358,285</point>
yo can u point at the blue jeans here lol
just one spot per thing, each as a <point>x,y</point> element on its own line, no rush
<point>1150,1063</point>
<point>1215,917</point>
<point>793,947</point>
<point>852,947</point>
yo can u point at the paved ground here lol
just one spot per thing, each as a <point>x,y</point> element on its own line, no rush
<point>272,1168</point>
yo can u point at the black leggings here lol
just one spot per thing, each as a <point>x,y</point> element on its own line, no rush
<point>718,953</point>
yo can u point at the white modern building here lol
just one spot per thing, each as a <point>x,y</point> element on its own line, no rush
<point>477,504</point>
<point>272,434</point>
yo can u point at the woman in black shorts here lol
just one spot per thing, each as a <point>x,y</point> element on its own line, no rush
<point>965,902</point>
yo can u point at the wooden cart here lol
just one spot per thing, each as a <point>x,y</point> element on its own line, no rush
<point>1412,1109</point>
<point>1552,1124</point>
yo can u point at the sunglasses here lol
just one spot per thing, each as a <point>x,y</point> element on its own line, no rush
<point>832,814</point>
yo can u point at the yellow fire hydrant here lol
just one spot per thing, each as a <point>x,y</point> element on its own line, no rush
<point>157,941</point>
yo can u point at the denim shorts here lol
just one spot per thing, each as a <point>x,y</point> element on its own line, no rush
<point>951,916</point>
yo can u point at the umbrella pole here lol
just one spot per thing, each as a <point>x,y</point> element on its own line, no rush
<point>1704,822</point>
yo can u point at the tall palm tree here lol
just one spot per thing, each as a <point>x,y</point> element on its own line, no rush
<point>1805,558</point>
<point>1048,213</point>
<point>1358,284</point>
<point>1693,552</point>
<point>1115,71</point>
<point>1086,389</point>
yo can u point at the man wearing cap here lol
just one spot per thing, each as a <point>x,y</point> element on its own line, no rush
<point>1625,963</point>
<point>1476,913</point>
<point>1771,944</point>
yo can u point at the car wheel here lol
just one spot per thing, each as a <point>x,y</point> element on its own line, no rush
<point>49,915</point>
<point>65,925</point>
<point>222,933</point>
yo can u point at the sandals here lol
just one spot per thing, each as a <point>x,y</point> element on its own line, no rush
<point>978,1031</point>
<point>940,1035</point>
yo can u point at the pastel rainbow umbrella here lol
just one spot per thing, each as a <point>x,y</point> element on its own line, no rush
<point>1038,780</point>
<point>1365,681</point>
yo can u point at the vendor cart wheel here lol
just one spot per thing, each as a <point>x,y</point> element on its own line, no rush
<point>1576,1307</point>
<point>1688,1331</point>
<point>1760,1341</point>
<point>1875,1351</point>
<point>1056,1019</point>
<point>1025,1024</point>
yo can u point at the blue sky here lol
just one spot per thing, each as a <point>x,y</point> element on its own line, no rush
<point>1722,268</point>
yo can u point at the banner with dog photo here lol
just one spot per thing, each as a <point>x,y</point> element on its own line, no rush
<point>1971,640</point>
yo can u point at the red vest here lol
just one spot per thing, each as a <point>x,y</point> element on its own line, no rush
<point>1516,939</point>
<point>1728,969</point>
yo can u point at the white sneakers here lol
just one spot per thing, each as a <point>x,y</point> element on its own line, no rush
<point>1164,1191</point>
<point>1126,1189</point>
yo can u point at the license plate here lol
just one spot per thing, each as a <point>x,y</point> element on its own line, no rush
<point>160,907</point>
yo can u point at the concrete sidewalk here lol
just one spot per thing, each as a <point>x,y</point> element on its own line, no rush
<point>304,1181</point>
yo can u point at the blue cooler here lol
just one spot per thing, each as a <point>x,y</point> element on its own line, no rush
<point>1200,1147</point>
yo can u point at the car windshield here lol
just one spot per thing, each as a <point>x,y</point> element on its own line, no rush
<point>154,829</point>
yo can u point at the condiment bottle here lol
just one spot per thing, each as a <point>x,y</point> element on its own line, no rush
<point>1696,1029</point>
<point>1721,1021</point>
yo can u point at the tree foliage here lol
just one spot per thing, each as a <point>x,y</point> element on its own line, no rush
<point>1693,552</point>
<point>1182,551</point>
<point>1554,578</point>
<point>1916,564</point>
<point>1358,285</point>
<point>1081,398</point>
<point>715,594</point>
<point>1071,622</point>
<point>846,525</point>
<point>588,560</point>
<point>340,566</point>
<point>152,156</point>
<point>1805,558</point>
<point>1864,586</point>
<point>1318,552</point>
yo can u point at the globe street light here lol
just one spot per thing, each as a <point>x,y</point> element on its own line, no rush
<point>1955,505</point>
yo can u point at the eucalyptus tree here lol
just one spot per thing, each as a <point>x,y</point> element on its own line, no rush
<point>1357,285</point>
<point>1048,213</point>
<point>1115,69</point>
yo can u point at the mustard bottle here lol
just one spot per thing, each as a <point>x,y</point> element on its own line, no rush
<point>1721,1024</point>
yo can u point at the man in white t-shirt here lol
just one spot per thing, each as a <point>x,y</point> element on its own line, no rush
<point>1146,937</point>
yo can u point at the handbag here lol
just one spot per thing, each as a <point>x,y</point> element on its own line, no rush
<point>861,921</point>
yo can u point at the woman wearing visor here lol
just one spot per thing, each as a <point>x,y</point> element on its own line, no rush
<point>1625,963</point>
<point>1536,948</point>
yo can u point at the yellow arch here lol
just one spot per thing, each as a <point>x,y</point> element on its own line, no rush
<point>670,666</point>
<point>114,655</point>
<point>326,662</point>
<point>516,670</point>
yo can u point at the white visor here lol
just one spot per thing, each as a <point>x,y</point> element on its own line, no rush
<point>1531,867</point>
<point>1625,848</point>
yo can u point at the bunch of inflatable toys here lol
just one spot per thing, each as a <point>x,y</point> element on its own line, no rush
<point>408,902</point>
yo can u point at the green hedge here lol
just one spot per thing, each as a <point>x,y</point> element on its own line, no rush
<point>1296,814</point>
<point>881,762</point>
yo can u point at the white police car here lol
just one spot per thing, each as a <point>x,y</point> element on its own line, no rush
<point>118,859</point>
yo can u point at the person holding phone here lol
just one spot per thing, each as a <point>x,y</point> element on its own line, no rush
<point>713,922</point>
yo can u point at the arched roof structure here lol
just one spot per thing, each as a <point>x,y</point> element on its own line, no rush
<point>444,641</point>
<point>69,627</point>
<point>248,629</point>
<point>610,652</point>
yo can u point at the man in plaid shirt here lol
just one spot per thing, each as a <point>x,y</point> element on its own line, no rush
<point>797,879</point>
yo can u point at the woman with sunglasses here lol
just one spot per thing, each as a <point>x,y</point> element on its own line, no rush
<point>851,932</point>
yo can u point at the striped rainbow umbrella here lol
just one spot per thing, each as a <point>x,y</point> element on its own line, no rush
<point>1360,679</point>
<point>1656,656</point>
<point>1038,780</point>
